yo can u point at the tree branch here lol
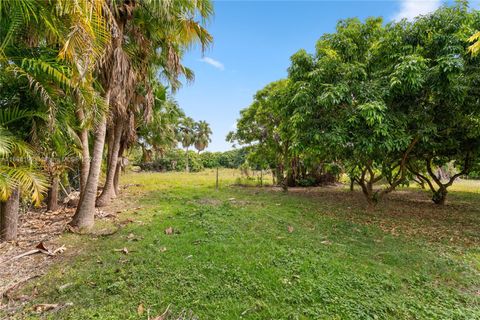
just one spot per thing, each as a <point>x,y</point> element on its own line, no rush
<point>430,172</point>
<point>418,174</point>
<point>401,169</point>
<point>466,168</point>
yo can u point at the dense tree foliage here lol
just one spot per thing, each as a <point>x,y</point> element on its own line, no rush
<point>266,122</point>
<point>386,104</point>
<point>174,160</point>
<point>78,77</point>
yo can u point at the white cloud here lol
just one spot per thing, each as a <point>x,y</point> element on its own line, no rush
<point>213,62</point>
<point>410,9</point>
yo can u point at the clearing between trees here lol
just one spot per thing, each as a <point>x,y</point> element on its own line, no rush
<point>184,250</point>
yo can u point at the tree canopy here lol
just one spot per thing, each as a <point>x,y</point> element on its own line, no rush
<point>78,77</point>
<point>387,103</point>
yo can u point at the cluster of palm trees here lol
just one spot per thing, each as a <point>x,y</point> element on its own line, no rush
<point>78,77</point>
<point>194,133</point>
<point>170,126</point>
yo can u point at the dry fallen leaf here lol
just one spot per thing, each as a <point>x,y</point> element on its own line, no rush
<point>41,246</point>
<point>169,230</point>
<point>64,286</point>
<point>59,250</point>
<point>123,250</point>
<point>71,229</point>
<point>163,249</point>
<point>44,307</point>
<point>140,309</point>
<point>290,229</point>
<point>125,222</point>
<point>21,298</point>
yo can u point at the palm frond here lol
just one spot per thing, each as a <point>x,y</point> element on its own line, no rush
<point>11,146</point>
<point>475,47</point>
<point>18,13</point>
<point>6,184</point>
<point>13,114</point>
<point>29,180</point>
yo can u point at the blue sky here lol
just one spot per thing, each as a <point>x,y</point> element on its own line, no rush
<point>253,42</point>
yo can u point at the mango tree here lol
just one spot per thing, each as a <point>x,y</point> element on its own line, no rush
<point>265,125</point>
<point>445,103</point>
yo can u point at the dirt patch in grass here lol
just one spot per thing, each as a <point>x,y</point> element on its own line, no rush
<point>50,229</point>
<point>209,202</point>
<point>35,227</point>
<point>404,212</point>
<point>217,202</point>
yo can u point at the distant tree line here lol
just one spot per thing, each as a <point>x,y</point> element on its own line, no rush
<point>386,104</point>
<point>169,127</point>
<point>175,160</point>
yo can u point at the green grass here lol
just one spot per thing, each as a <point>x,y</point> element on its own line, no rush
<point>233,256</point>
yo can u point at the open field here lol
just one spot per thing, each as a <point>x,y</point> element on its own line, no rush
<point>111,202</point>
<point>257,253</point>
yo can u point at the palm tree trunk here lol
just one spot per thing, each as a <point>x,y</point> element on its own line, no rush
<point>187,169</point>
<point>108,191</point>
<point>9,216</point>
<point>116,179</point>
<point>85,167</point>
<point>109,141</point>
<point>120,168</point>
<point>85,213</point>
<point>52,197</point>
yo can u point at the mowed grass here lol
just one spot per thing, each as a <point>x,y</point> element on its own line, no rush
<point>257,253</point>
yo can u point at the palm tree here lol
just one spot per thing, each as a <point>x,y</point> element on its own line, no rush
<point>202,135</point>
<point>57,149</point>
<point>103,55</point>
<point>54,47</point>
<point>18,174</point>
<point>186,132</point>
<point>29,29</point>
<point>160,133</point>
<point>158,34</point>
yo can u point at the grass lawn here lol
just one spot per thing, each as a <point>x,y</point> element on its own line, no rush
<point>257,253</point>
